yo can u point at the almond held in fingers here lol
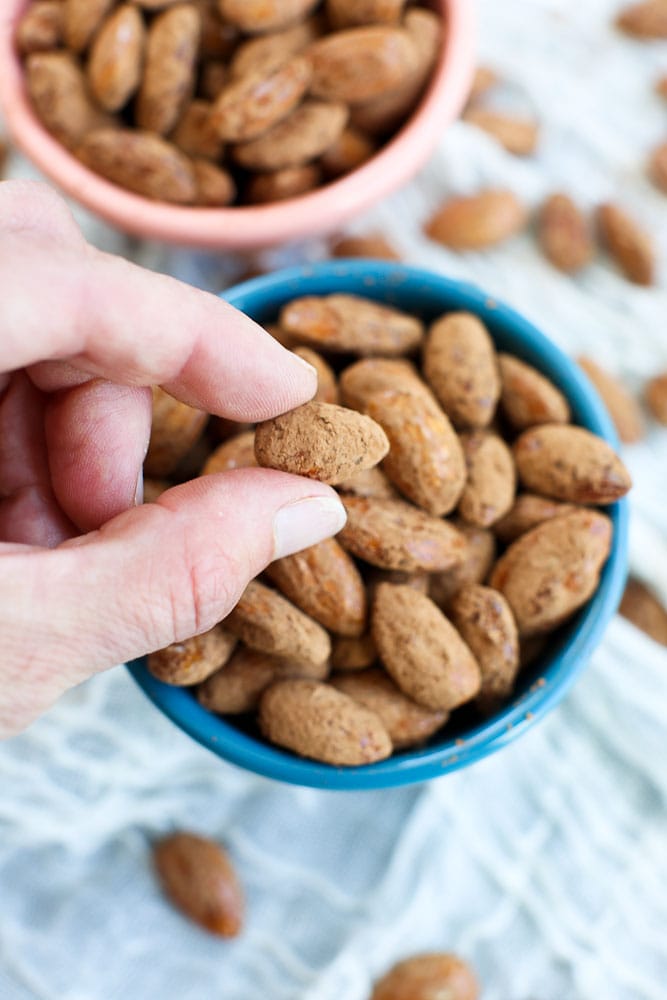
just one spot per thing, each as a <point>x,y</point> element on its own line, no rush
<point>199,878</point>
<point>193,660</point>
<point>321,441</point>
<point>344,322</point>
<point>551,571</point>
<point>460,366</point>
<point>486,623</point>
<point>477,221</point>
<point>517,135</point>
<point>564,234</point>
<point>317,721</point>
<point>570,463</point>
<point>655,394</point>
<point>623,408</point>
<point>392,534</point>
<point>169,71</point>
<point>528,397</point>
<point>421,649</point>
<point>629,245</point>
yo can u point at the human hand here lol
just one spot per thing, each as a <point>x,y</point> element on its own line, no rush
<point>87,578</point>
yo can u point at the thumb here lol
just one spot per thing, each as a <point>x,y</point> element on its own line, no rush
<point>153,575</point>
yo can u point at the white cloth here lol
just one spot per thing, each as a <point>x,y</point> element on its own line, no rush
<point>544,865</point>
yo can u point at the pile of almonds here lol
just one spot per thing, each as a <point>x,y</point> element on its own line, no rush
<point>220,102</point>
<point>473,533</point>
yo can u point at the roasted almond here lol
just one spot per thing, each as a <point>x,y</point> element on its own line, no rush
<point>174,430</point>
<point>484,79</point>
<point>41,27</point>
<point>140,161</point>
<point>362,63</point>
<point>344,322</point>
<point>237,452</point>
<point>647,19</point>
<point>643,608</point>
<point>215,185</point>
<point>657,167</point>
<point>169,70</point>
<point>239,685</point>
<point>373,245</point>
<point>434,976</point>
<point>517,135</point>
<point>57,88</point>
<point>193,660</point>
<point>82,18</point>
<point>368,483</point>
<point>195,135</point>
<point>527,397</point>
<point>570,463</point>
<point>265,53</point>
<point>327,388</point>
<point>278,185</point>
<point>527,511</point>
<point>253,103</point>
<point>623,408</point>
<point>321,441</point>
<point>349,151</point>
<point>477,221</point>
<point>655,393</point>
<point>564,234</point>
<point>479,557</point>
<point>258,16</point>
<point>628,244</point>
<point>485,621</point>
<point>460,366</point>
<point>490,485</point>
<point>349,653</point>
<point>116,57</point>
<point>300,137</point>
<point>347,13</point>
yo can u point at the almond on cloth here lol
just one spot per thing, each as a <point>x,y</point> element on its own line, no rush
<point>657,167</point>
<point>238,686</point>
<point>517,135</point>
<point>461,367</point>
<point>175,428</point>
<point>661,86</point>
<point>527,511</point>
<point>647,19</point>
<point>528,398</point>
<point>485,621</point>
<point>490,486</point>
<point>407,723</point>
<point>344,322</point>
<point>628,244</point>
<point>392,534</point>
<point>421,649</point>
<point>623,408</point>
<point>655,393</point>
<point>551,571</point>
<point>642,607</point>
<point>322,441</point>
<point>189,662</point>
<point>484,79</point>
<point>432,976</point>
<point>570,463</point>
<point>140,161</point>
<point>372,245</point>
<point>198,877</point>
<point>477,221</point>
<point>564,234</point>
<point>317,721</point>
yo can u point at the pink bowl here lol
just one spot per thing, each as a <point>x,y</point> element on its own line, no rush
<point>256,226</point>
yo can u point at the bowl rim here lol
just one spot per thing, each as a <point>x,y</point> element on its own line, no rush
<point>561,670</point>
<point>248,227</point>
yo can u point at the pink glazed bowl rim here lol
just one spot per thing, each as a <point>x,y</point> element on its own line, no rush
<point>256,226</point>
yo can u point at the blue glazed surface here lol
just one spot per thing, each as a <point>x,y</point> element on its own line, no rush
<point>539,689</point>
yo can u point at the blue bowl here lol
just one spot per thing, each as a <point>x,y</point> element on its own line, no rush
<point>539,688</point>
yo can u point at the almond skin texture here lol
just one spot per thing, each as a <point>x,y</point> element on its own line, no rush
<point>435,976</point>
<point>485,620</point>
<point>314,720</point>
<point>251,104</point>
<point>116,56</point>
<point>570,463</point>
<point>421,649</point>
<point>175,428</point>
<point>460,366</point>
<point>517,135</point>
<point>360,64</point>
<point>407,723</point>
<point>265,620</point>
<point>369,483</point>
<point>142,162</point>
<point>373,245</point>
<point>623,408</point>
<point>477,221</point>
<point>564,234</point>
<point>478,560</point>
<point>82,19</point>
<point>527,397</point>
<point>257,16</point>
<point>41,27</point>
<point>189,662</point>
<point>491,482</point>
<point>300,137</point>
<point>657,167</point>
<point>325,583</point>
<point>627,243</point>
<point>199,878</point>
<point>169,72</point>
<point>655,393</point>
<point>425,459</point>
<point>527,512</point>
<point>641,606</point>
<point>237,452</point>
<point>552,570</point>
<point>57,89</point>
<point>239,685</point>
<point>347,13</point>
<point>349,323</point>
<point>392,534</point>
<point>321,441</point>
<point>327,388</point>
<point>644,20</point>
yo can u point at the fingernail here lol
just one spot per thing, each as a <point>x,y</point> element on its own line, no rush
<point>306,522</point>
<point>139,492</point>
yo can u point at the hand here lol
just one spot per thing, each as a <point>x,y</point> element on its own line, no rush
<point>87,578</point>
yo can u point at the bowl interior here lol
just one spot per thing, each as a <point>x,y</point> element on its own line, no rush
<point>539,687</point>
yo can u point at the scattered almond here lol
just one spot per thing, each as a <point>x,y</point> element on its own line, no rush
<point>517,135</point>
<point>655,393</point>
<point>658,167</point>
<point>623,409</point>
<point>642,607</point>
<point>371,245</point>
<point>527,397</point>
<point>435,976</point>
<point>564,234</point>
<point>628,244</point>
<point>477,221</point>
<point>647,19</point>
<point>193,660</point>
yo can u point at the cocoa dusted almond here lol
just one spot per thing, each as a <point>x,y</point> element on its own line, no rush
<point>490,485</point>
<point>327,387</point>
<point>486,623</point>
<point>344,322</point>
<point>193,660</point>
<point>258,16</point>
<point>528,397</point>
<point>460,366</point>
<point>238,686</point>
<point>236,452</point>
<point>175,428</point>
<point>527,511</point>
<point>474,568</point>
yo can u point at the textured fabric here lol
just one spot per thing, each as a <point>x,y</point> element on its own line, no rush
<point>544,865</point>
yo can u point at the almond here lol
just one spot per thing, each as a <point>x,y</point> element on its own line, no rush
<point>527,512</point>
<point>570,463</point>
<point>237,452</point>
<point>195,135</point>
<point>644,20</point>
<point>116,57</point>
<point>527,397</point>
<point>474,568</point>
<point>327,387</point>
<point>421,649</point>
<point>213,76</point>
<point>485,621</point>
<point>347,13</point>
<point>174,430</point>
<point>564,234</point>
<point>325,583</point>
<point>552,570</point>
<point>641,606</point>
<point>373,245</point>
<point>485,79</point>
<point>199,878</point>
<point>253,103</point>
<point>428,977</point>
<point>364,379</point>
<point>239,685</point>
<point>407,723</point>
<point>623,409</point>
<point>349,323</point>
<point>491,482</point>
<point>315,720</point>
<point>517,135</point>
<point>655,393</point>
<point>477,221</point>
<point>628,244</point>
<point>169,72</point>
<point>215,185</point>
<point>353,653</point>
<point>82,18</point>
<point>264,620</point>
<point>368,483</point>
<point>41,27</point>
<point>657,167</point>
<point>218,39</point>
<point>58,91</point>
<point>360,64</point>
<point>189,662</point>
<point>392,534</point>
<point>661,86</point>
<point>298,138</point>
<point>258,16</point>
<point>278,185</point>
<point>351,149</point>
<point>140,161</point>
<point>460,366</point>
<point>154,488</point>
<point>266,53</point>
<point>321,441</point>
